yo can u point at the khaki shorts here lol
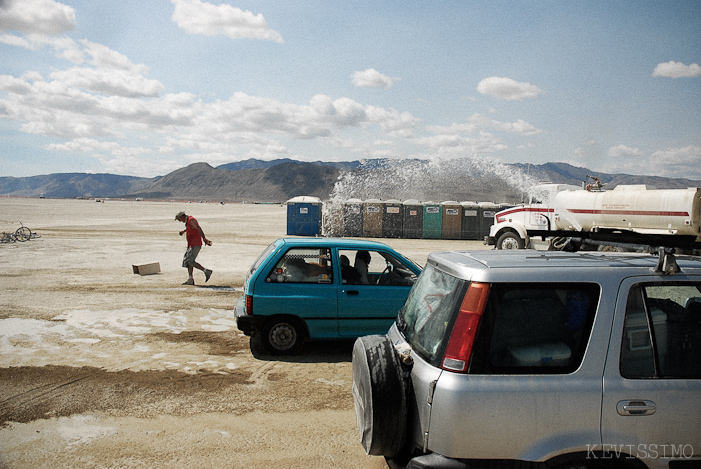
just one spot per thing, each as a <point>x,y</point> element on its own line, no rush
<point>191,255</point>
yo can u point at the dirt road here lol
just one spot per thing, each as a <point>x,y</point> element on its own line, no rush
<point>100,367</point>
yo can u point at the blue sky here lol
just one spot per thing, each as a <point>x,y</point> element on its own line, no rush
<point>143,88</point>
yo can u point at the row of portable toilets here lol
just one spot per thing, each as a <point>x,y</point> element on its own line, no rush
<point>308,216</point>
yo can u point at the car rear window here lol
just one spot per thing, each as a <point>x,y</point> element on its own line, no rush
<point>264,255</point>
<point>535,328</point>
<point>428,310</point>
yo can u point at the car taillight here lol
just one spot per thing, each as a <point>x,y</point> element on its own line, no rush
<point>249,304</point>
<point>462,338</point>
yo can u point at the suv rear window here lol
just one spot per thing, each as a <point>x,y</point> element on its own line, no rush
<point>526,328</point>
<point>538,328</point>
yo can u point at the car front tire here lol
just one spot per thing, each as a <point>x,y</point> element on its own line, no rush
<point>510,240</point>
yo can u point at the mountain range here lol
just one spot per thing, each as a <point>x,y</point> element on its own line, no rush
<point>279,180</point>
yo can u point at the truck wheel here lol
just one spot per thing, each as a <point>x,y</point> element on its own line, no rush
<point>283,335</point>
<point>379,394</point>
<point>510,240</point>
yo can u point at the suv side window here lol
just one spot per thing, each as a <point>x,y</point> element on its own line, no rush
<point>662,332</point>
<point>300,265</point>
<point>535,328</point>
<point>429,310</point>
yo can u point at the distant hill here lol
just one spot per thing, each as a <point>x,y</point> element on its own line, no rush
<point>280,180</point>
<point>253,163</point>
<point>277,183</point>
<point>71,185</point>
<point>564,173</point>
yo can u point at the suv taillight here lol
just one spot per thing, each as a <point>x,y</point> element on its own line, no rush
<point>462,337</point>
<point>249,304</point>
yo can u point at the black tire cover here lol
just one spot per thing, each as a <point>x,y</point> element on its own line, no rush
<point>379,394</point>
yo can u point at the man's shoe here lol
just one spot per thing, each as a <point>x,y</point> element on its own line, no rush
<point>207,274</point>
<point>189,282</point>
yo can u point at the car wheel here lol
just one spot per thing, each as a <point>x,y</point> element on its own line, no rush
<point>283,336</point>
<point>379,394</point>
<point>510,240</point>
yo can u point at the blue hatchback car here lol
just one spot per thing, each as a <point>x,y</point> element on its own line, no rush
<point>323,288</point>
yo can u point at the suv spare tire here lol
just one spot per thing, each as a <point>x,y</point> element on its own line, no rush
<point>379,394</point>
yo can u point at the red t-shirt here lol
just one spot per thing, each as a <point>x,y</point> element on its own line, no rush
<point>194,238</point>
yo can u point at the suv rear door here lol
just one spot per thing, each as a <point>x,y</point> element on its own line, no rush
<point>652,380</point>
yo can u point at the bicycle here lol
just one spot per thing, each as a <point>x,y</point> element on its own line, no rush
<point>21,234</point>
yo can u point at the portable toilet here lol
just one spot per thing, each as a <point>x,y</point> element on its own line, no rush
<point>353,218</point>
<point>332,218</point>
<point>471,215</point>
<point>489,210</point>
<point>304,216</point>
<point>433,220</point>
<point>451,219</point>
<point>372,218</point>
<point>392,223</point>
<point>413,219</point>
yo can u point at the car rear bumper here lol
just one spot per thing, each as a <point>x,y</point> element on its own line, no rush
<point>247,323</point>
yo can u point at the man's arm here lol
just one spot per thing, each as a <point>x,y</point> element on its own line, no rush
<point>197,226</point>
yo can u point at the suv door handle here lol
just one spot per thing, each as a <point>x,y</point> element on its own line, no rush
<point>636,408</point>
<point>351,292</point>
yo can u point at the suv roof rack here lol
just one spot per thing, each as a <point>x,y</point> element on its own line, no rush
<point>664,246</point>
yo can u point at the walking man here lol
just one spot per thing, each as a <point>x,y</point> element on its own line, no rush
<point>195,237</point>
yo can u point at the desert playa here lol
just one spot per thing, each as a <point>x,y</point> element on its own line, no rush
<point>102,367</point>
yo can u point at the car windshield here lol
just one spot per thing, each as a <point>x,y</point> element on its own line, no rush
<point>428,311</point>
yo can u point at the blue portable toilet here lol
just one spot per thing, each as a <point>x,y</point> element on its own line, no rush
<point>304,216</point>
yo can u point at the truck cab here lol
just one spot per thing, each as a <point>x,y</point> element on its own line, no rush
<point>510,228</point>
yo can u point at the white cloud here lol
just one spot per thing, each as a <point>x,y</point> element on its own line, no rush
<point>478,122</point>
<point>371,78</point>
<point>676,162</point>
<point>458,145</point>
<point>197,17</point>
<point>674,69</point>
<point>36,16</point>
<point>508,89</point>
<point>622,151</point>
<point>110,82</point>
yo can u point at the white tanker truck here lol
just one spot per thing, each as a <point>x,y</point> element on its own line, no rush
<point>554,211</point>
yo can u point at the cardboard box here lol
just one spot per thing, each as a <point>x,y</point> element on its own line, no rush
<point>147,269</point>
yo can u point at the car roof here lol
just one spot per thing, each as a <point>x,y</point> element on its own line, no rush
<point>528,265</point>
<point>335,242</point>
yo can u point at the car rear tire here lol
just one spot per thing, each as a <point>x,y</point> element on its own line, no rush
<point>283,336</point>
<point>379,394</point>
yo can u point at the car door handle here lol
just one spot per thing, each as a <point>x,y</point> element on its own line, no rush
<point>351,292</point>
<point>636,408</point>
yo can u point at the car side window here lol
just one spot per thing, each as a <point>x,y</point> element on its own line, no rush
<point>662,332</point>
<point>364,267</point>
<point>303,265</point>
<point>535,328</point>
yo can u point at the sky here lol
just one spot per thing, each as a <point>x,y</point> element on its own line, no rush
<point>143,88</point>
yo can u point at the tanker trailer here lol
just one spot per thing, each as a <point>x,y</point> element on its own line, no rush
<point>604,215</point>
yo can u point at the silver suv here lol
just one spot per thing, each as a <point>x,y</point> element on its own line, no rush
<point>538,358</point>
